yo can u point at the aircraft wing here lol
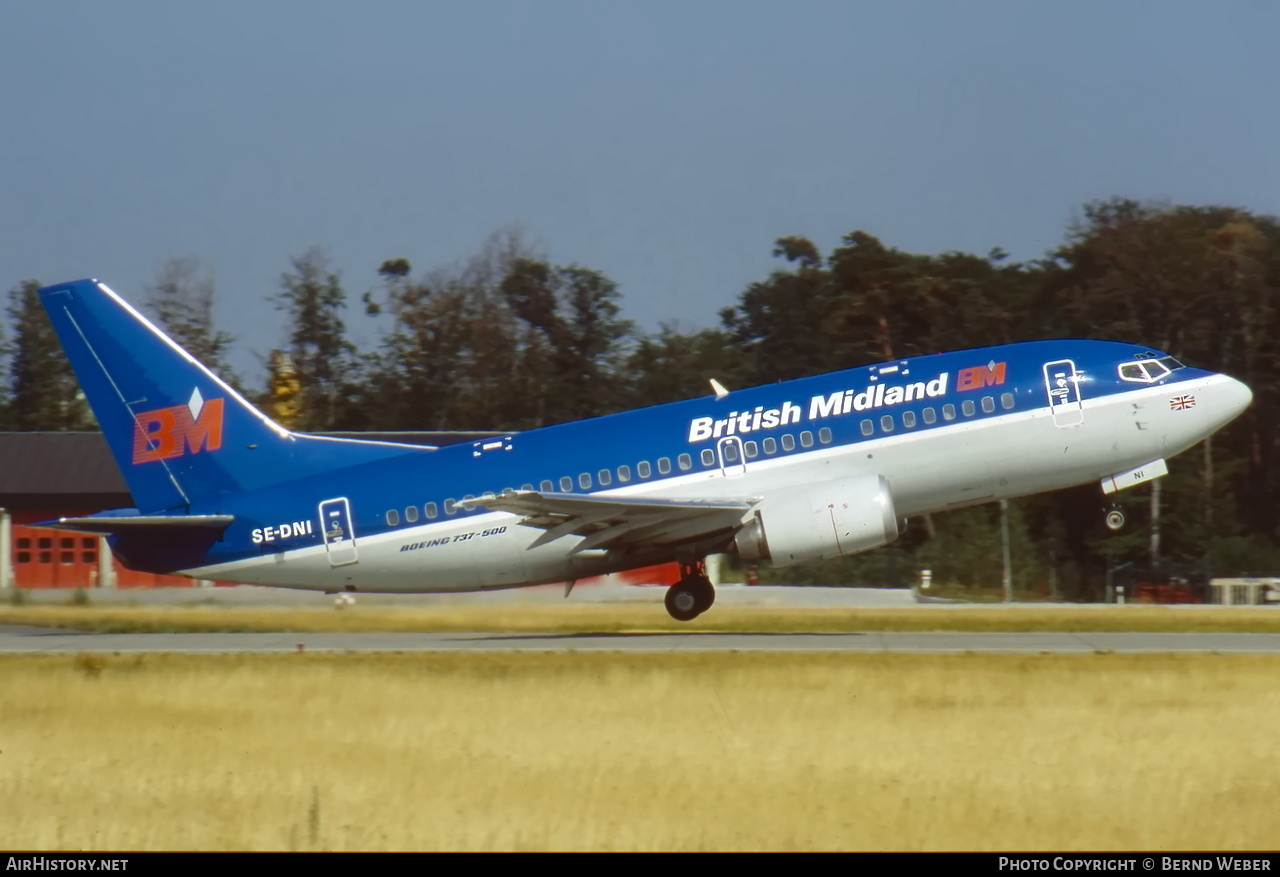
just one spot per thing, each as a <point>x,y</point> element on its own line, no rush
<point>618,523</point>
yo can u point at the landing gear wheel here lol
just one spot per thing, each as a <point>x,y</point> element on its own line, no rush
<point>692,595</point>
<point>682,602</point>
<point>1115,519</point>
<point>704,593</point>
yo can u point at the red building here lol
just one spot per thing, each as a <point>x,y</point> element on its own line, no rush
<point>46,475</point>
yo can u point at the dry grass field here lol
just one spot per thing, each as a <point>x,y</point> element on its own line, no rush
<point>649,752</point>
<point>647,617</point>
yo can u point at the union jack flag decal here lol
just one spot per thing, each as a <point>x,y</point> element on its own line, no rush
<point>1182,403</point>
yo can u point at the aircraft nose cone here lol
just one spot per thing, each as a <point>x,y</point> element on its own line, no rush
<point>1236,396</point>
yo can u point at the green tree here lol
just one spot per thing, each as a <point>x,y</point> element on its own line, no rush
<point>181,297</point>
<point>450,358</point>
<point>507,341</point>
<point>573,334</point>
<point>4,380</point>
<point>780,325</point>
<point>323,360</point>
<point>871,303</point>
<point>1201,283</point>
<point>670,366</point>
<point>44,392</point>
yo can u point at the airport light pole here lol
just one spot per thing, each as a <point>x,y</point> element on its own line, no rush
<point>1004,544</point>
<point>6,545</point>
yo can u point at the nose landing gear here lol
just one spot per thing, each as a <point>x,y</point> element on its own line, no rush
<point>1115,518</point>
<point>692,595</point>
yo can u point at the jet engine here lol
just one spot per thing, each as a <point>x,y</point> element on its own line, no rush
<point>818,521</point>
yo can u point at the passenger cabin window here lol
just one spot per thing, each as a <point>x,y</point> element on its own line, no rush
<point>751,450</point>
<point>929,416</point>
<point>393,518</point>
<point>770,446</point>
<point>584,480</point>
<point>988,404</point>
<point>1006,401</point>
<point>604,477</point>
<point>948,412</point>
<point>411,514</point>
<point>867,427</point>
<point>730,452</point>
<point>642,469</point>
<point>806,439</point>
<point>908,419</point>
<point>686,462</point>
<point>886,423</point>
<point>788,442</point>
<point>824,435</point>
<point>566,484</point>
<point>450,506</point>
<point>430,509</point>
<point>968,408</point>
<point>708,457</point>
<point>624,474</point>
<point>664,466</point>
<point>547,487</point>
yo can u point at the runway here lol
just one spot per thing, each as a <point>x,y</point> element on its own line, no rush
<point>33,640</point>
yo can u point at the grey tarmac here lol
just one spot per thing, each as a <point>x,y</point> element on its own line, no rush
<point>29,640</point>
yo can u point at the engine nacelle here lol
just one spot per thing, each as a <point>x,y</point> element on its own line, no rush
<point>819,521</point>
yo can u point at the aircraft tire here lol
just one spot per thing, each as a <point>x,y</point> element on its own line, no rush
<point>682,602</point>
<point>1115,519</point>
<point>704,593</point>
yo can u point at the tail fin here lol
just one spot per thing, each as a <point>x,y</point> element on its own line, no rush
<point>178,433</point>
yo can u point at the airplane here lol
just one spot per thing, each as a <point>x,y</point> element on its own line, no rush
<point>814,468</point>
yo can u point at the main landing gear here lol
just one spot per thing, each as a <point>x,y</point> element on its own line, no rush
<point>692,595</point>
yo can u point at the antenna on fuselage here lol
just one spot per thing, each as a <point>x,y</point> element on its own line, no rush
<point>719,390</point>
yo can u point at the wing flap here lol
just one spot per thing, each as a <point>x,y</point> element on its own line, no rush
<point>617,523</point>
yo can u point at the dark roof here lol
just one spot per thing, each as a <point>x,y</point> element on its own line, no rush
<point>39,467</point>
<point>57,463</point>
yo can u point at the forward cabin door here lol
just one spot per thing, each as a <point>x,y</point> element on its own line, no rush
<point>733,461</point>
<point>1062,383</point>
<point>339,535</point>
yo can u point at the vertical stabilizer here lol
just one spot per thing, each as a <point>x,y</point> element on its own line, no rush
<point>178,433</point>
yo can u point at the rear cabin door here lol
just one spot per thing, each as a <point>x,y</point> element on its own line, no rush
<point>339,535</point>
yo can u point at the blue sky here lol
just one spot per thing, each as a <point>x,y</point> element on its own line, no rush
<point>665,144</point>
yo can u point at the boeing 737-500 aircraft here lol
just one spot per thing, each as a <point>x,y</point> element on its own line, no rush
<point>813,468</point>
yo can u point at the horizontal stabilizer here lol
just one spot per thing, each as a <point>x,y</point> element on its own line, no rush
<point>109,525</point>
<point>153,543</point>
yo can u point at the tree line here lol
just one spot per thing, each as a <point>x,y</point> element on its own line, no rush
<point>511,341</point>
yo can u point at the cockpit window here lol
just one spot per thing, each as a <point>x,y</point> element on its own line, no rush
<point>1148,371</point>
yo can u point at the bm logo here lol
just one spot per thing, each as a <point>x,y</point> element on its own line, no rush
<point>989,375</point>
<point>168,433</point>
